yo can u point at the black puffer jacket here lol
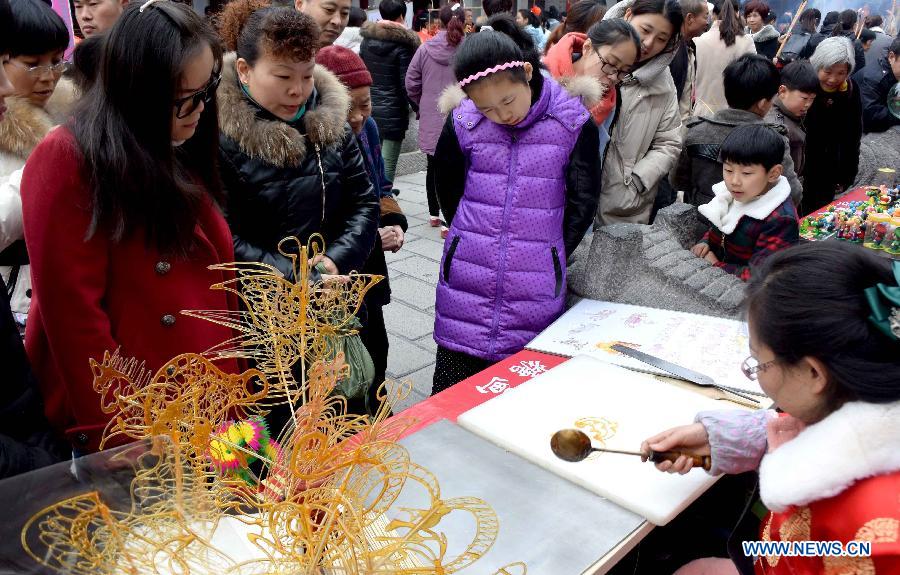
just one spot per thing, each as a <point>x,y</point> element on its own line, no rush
<point>875,82</point>
<point>387,49</point>
<point>296,179</point>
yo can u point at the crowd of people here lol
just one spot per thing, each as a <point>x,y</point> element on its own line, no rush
<point>172,143</point>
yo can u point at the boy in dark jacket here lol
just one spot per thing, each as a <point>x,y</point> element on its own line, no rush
<point>752,214</point>
<point>387,49</point>
<point>351,71</point>
<point>874,84</point>
<point>797,92</point>
<point>750,83</point>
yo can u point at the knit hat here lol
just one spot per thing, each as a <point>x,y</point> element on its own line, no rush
<point>346,65</point>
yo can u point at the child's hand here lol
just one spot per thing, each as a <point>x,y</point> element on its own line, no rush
<point>691,439</point>
<point>711,258</point>
<point>700,250</point>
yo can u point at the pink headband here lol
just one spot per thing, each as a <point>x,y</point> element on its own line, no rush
<point>489,71</point>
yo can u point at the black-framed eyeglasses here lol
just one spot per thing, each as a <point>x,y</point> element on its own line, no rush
<point>610,70</point>
<point>184,107</point>
<point>56,70</point>
<point>751,367</point>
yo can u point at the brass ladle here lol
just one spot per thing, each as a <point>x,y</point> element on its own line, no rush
<point>574,446</point>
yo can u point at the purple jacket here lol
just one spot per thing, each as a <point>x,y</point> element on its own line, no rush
<point>503,276</point>
<point>427,76</point>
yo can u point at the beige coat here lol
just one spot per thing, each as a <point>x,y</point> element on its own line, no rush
<point>645,141</point>
<point>712,58</point>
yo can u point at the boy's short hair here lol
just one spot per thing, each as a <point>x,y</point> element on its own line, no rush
<point>866,35</point>
<point>753,144</point>
<point>800,75</point>
<point>748,80</point>
<point>392,9</point>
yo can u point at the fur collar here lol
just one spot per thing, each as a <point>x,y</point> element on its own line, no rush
<point>25,125</point>
<point>387,31</point>
<point>725,213</point>
<point>766,33</point>
<point>589,89</point>
<point>276,141</point>
<point>856,442</point>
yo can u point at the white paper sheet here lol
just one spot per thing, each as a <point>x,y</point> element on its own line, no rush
<point>710,345</point>
<point>624,406</point>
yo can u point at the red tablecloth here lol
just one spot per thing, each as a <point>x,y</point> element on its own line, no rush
<point>854,195</point>
<point>503,375</point>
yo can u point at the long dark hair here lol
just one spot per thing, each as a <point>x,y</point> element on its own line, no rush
<point>454,23</point>
<point>809,20</point>
<point>505,42</point>
<point>582,15</point>
<point>123,127</point>
<point>809,301</point>
<point>845,23</point>
<point>729,21</point>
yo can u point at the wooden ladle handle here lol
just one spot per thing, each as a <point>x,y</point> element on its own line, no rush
<point>704,461</point>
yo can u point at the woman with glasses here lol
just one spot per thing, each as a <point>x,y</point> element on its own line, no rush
<point>645,140</point>
<point>824,321</point>
<point>26,441</point>
<point>122,215</point>
<point>40,101</point>
<point>605,54</point>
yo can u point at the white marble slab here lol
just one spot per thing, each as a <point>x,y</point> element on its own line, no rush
<point>632,406</point>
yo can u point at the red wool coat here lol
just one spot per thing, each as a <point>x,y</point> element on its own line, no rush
<point>90,296</point>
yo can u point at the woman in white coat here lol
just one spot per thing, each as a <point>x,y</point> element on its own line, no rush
<point>39,102</point>
<point>721,45</point>
<point>645,140</point>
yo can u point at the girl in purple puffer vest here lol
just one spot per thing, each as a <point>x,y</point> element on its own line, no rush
<point>517,177</point>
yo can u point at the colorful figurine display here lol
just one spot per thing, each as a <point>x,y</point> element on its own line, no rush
<point>873,222</point>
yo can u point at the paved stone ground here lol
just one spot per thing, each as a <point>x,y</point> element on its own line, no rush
<point>413,274</point>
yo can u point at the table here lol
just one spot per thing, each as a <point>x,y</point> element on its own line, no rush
<point>487,384</point>
<point>854,195</point>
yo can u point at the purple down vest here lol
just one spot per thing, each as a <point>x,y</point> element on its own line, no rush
<point>503,272</point>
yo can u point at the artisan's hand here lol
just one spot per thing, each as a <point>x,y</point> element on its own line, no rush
<point>700,250</point>
<point>392,238</point>
<point>711,258</point>
<point>330,266</point>
<point>691,439</point>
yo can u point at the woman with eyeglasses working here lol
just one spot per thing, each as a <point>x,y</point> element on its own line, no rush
<point>824,321</point>
<point>605,54</point>
<point>40,101</point>
<point>122,215</point>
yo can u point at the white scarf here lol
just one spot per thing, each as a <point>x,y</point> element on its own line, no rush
<point>857,441</point>
<point>725,212</point>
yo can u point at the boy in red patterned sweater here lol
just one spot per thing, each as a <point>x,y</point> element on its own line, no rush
<point>752,214</point>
